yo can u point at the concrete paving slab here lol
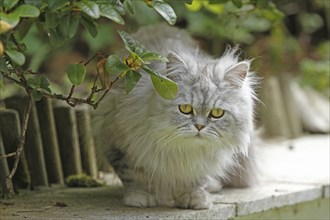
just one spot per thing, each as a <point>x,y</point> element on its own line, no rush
<point>326,191</point>
<point>292,171</point>
<point>95,203</point>
<point>268,195</point>
<point>301,160</point>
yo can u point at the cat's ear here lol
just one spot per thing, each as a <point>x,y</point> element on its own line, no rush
<point>175,66</point>
<point>236,74</point>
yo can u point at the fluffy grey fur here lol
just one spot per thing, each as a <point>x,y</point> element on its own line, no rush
<point>160,154</point>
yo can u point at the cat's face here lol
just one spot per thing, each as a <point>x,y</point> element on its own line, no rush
<point>199,112</point>
<point>209,106</point>
<point>205,111</point>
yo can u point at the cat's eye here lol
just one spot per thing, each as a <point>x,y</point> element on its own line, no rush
<point>186,109</point>
<point>217,113</point>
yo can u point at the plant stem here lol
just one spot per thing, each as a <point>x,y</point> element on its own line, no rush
<point>69,99</point>
<point>21,142</point>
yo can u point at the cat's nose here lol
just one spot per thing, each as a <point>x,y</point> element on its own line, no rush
<point>199,127</point>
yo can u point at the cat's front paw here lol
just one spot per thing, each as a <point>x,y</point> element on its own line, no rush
<point>139,199</point>
<point>194,200</point>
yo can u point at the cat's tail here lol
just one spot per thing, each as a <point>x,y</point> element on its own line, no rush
<point>245,173</point>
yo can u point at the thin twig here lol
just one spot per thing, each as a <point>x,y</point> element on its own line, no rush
<point>92,58</point>
<point>98,102</point>
<point>22,82</point>
<point>14,80</point>
<point>21,142</point>
<point>94,88</point>
<point>109,87</point>
<point>72,101</point>
<point>13,154</point>
<point>69,100</point>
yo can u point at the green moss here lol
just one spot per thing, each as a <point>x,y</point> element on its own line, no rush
<point>81,180</point>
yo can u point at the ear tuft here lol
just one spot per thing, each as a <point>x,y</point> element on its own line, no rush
<point>237,73</point>
<point>175,66</point>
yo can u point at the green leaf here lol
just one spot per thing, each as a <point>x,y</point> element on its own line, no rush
<point>9,4</point>
<point>237,3</point>
<point>165,10</point>
<point>27,11</point>
<point>37,3</point>
<point>56,38</point>
<point>69,25</point>
<point>36,95</point>
<point>90,8</point>
<point>153,56</point>
<point>5,26</point>
<point>151,72</point>
<point>261,4</point>
<point>272,15</point>
<point>52,19</point>
<point>115,65</point>
<point>218,1</point>
<point>89,25</point>
<point>54,5</point>
<point>189,2</point>
<point>109,12</point>
<point>16,56</point>
<point>8,21</point>
<point>31,82</point>
<point>3,65</point>
<point>23,28</point>
<point>40,82</point>
<point>132,77</point>
<point>129,5</point>
<point>118,5</point>
<point>44,83</point>
<point>76,73</point>
<point>130,43</point>
<point>165,87</point>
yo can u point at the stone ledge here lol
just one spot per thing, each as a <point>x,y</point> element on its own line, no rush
<point>96,203</point>
<point>326,191</point>
<point>291,177</point>
<point>106,203</point>
<point>268,196</point>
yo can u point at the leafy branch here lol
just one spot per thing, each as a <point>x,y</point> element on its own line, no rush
<point>127,68</point>
<point>60,20</point>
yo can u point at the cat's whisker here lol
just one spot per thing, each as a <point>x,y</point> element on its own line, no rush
<point>161,145</point>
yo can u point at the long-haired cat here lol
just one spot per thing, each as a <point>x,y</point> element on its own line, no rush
<point>172,152</point>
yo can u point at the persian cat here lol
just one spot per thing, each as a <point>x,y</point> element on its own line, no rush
<point>174,152</point>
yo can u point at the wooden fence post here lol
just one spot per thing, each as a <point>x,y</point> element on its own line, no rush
<point>66,128</point>
<point>4,169</point>
<point>33,143</point>
<point>86,141</point>
<point>274,114</point>
<point>294,121</point>
<point>50,142</point>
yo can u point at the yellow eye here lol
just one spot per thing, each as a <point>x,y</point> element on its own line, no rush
<point>217,113</point>
<point>186,109</point>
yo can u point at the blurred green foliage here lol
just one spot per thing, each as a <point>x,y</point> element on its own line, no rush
<point>285,36</point>
<point>233,20</point>
<point>315,72</point>
<point>58,22</point>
